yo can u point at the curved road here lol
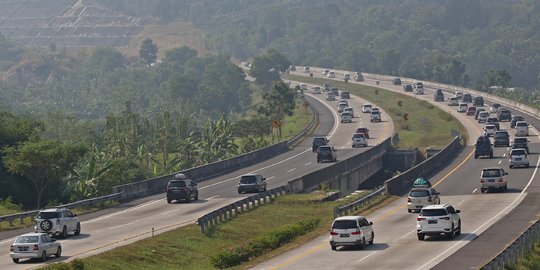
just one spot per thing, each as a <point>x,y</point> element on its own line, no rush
<point>108,229</point>
<point>396,245</point>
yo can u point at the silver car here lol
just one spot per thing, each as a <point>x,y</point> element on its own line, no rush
<point>34,245</point>
<point>421,197</point>
<point>518,158</point>
<point>493,178</point>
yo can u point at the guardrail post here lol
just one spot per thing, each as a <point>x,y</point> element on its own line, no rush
<point>202,224</point>
<point>266,197</point>
<point>258,199</point>
<point>335,212</point>
<point>251,201</point>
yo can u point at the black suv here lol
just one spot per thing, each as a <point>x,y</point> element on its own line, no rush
<point>493,121</point>
<point>483,147</point>
<point>467,98</point>
<point>408,88</point>
<point>345,95</point>
<point>439,96</point>
<point>478,102</point>
<point>515,119</point>
<point>504,115</point>
<point>521,142</point>
<point>318,141</point>
<point>326,153</point>
<point>396,81</point>
<point>501,138</point>
<point>252,183</point>
<point>181,188</point>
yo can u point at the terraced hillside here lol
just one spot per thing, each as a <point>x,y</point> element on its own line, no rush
<point>66,23</point>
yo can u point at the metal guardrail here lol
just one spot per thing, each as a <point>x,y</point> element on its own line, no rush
<point>32,214</point>
<point>352,207</point>
<point>314,121</point>
<point>517,250</point>
<point>229,211</point>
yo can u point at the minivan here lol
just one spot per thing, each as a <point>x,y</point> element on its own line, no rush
<point>493,178</point>
<point>522,129</point>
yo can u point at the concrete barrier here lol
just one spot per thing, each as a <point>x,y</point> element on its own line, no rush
<point>400,184</point>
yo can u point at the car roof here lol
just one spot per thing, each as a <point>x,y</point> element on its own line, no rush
<point>250,174</point>
<point>420,188</point>
<point>492,168</point>
<point>31,234</point>
<point>490,126</point>
<point>349,218</point>
<point>501,131</point>
<point>436,206</point>
<point>360,134</point>
<point>52,209</point>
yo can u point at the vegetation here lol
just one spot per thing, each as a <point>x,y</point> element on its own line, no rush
<point>532,261</point>
<point>252,232</point>
<point>414,120</point>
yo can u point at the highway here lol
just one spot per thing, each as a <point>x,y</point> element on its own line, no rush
<point>108,229</point>
<point>396,245</point>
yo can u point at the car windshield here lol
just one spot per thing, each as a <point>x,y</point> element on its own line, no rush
<point>518,152</point>
<point>358,135</point>
<point>521,124</point>
<point>496,105</point>
<point>319,141</point>
<point>501,135</point>
<point>361,130</point>
<point>419,193</point>
<point>177,184</point>
<point>367,106</point>
<point>375,113</point>
<point>520,140</point>
<point>484,114</point>
<point>345,224</point>
<point>433,212</point>
<point>248,180</point>
<point>26,239</point>
<point>48,215</point>
<point>325,150</point>
<point>491,173</point>
<point>490,127</point>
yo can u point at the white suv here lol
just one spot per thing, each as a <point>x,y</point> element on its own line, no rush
<point>493,178</point>
<point>518,158</point>
<point>58,221</point>
<point>438,219</point>
<point>351,231</point>
<point>359,139</point>
<point>522,129</point>
<point>420,197</point>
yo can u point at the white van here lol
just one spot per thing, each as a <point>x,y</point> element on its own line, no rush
<point>522,129</point>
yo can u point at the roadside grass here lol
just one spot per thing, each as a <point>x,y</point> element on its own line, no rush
<point>426,126</point>
<point>531,262</point>
<point>187,248</point>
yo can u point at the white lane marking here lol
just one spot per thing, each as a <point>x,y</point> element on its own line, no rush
<point>114,227</point>
<point>500,161</point>
<point>123,211</point>
<point>472,235</point>
<point>507,148</point>
<point>309,163</point>
<point>504,155</point>
<point>8,240</point>
<point>213,197</point>
<point>168,212</point>
<point>474,190</point>
<point>270,178</point>
<point>407,234</point>
<point>291,170</point>
<point>366,257</point>
<point>461,202</point>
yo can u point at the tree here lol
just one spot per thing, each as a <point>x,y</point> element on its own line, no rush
<point>266,68</point>
<point>148,52</point>
<point>497,78</point>
<point>42,161</point>
<point>278,103</point>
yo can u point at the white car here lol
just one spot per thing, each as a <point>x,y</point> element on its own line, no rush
<point>359,139</point>
<point>316,90</point>
<point>420,197</point>
<point>331,74</point>
<point>302,86</point>
<point>375,116</point>
<point>346,76</point>
<point>518,158</point>
<point>462,107</point>
<point>489,130</point>
<point>366,108</point>
<point>57,221</point>
<point>495,108</point>
<point>438,219</point>
<point>419,90</point>
<point>346,117</point>
<point>34,245</point>
<point>359,77</point>
<point>330,97</point>
<point>458,94</point>
<point>306,70</point>
<point>453,101</point>
<point>349,110</point>
<point>325,72</point>
<point>351,231</point>
<point>522,129</point>
<point>483,117</point>
<point>493,178</point>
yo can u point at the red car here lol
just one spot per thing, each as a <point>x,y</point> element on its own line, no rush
<point>363,130</point>
<point>471,110</point>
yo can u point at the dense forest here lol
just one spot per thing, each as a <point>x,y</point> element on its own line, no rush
<point>456,41</point>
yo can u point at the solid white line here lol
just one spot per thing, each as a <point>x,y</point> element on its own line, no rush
<point>309,163</point>
<point>366,257</point>
<point>470,236</point>
<point>474,190</point>
<point>407,234</point>
<point>291,170</point>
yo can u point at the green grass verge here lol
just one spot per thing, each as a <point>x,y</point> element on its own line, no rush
<point>412,132</point>
<point>187,248</point>
<point>531,262</point>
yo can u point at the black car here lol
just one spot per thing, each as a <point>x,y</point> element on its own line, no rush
<point>396,81</point>
<point>318,141</point>
<point>504,115</point>
<point>515,119</point>
<point>467,98</point>
<point>252,183</point>
<point>345,95</point>
<point>478,102</point>
<point>521,142</point>
<point>493,121</point>
<point>326,153</point>
<point>438,96</point>
<point>181,188</point>
<point>478,110</point>
<point>408,88</point>
<point>501,138</point>
<point>483,147</point>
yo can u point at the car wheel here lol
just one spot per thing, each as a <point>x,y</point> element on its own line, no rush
<point>363,244</point>
<point>333,247</point>
<point>421,236</point>
<point>450,235</point>
<point>409,210</point>
<point>458,231</point>
<point>43,256</point>
<point>78,229</point>
<point>482,190</point>
<point>16,260</point>
<point>527,166</point>
<point>491,155</point>
<point>169,200</point>
<point>511,166</point>
<point>64,233</point>
<point>58,253</point>
<point>475,156</point>
<point>196,196</point>
<point>372,239</point>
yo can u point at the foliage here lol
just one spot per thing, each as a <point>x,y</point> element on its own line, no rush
<point>148,52</point>
<point>278,103</point>
<point>266,67</point>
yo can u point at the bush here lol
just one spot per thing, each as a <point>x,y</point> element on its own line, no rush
<point>265,243</point>
<point>7,206</point>
<point>76,264</point>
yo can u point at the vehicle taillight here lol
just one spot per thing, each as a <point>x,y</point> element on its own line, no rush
<point>430,199</point>
<point>409,199</point>
<point>36,247</point>
<point>445,218</point>
<point>356,232</point>
<point>11,248</point>
<point>333,233</point>
<point>420,218</point>
<point>500,180</point>
<point>482,180</point>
